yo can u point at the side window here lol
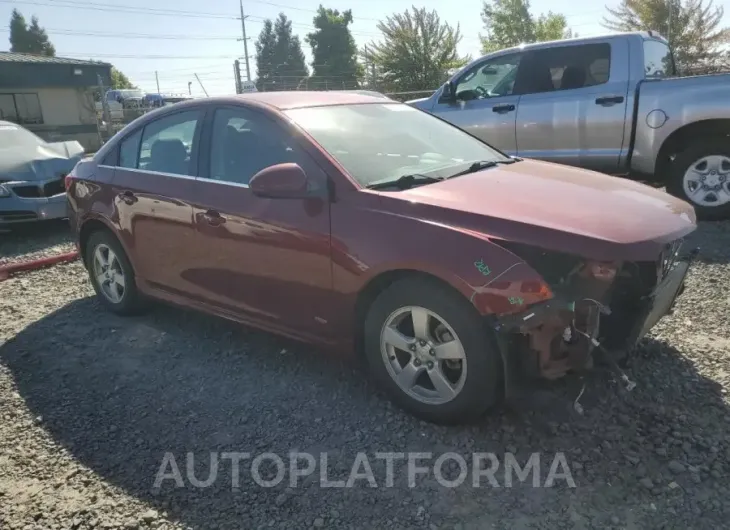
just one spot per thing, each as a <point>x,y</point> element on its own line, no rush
<point>658,60</point>
<point>129,150</point>
<point>167,143</point>
<point>244,142</point>
<point>491,78</point>
<point>111,158</point>
<point>566,68</point>
<point>7,108</point>
<point>29,108</point>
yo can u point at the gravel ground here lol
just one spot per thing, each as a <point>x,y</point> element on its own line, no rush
<point>34,241</point>
<point>90,403</point>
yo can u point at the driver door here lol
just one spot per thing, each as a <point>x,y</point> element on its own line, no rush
<point>484,103</point>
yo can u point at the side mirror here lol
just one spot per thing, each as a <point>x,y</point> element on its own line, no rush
<point>447,93</point>
<point>281,181</point>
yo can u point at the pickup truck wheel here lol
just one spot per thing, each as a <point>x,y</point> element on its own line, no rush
<point>431,351</point>
<point>701,176</point>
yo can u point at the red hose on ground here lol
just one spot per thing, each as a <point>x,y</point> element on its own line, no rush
<point>12,268</point>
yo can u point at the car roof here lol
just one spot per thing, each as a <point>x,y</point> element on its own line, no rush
<point>297,99</point>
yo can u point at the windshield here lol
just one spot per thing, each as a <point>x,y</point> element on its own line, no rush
<point>13,136</point>
<point>131,93</point>
<point>375,142</point>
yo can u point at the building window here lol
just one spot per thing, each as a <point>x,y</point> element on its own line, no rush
<point>21,108</point>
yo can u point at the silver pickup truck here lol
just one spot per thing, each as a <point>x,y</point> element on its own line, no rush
<point>612,104</point>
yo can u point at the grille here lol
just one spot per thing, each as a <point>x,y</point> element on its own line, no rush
<point>27,191</point>
<point>53,188</point>
<point>17,216</point>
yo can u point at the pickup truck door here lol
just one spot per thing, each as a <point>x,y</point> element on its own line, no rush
<point>484,103</point>
<point>573,102</point>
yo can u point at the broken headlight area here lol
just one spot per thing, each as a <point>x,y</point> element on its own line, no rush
<point>606,306</point>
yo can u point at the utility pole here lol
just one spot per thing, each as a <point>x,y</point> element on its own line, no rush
<point>245,42</point>
<point>190,89</point>
<point>105,107</point>
<point>237,75</point>
<point>669,23</point>
<point>157,80</point>
<point>201,85</point>
<point>370,65</point>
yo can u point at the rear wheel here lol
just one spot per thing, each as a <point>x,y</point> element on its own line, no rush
<point>701,176</point>
<point>111,274</point>
<point>431,351</point>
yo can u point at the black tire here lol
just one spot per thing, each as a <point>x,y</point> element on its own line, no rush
<point>131,302</point>
<point>484,375</point>
<point>683,161</point>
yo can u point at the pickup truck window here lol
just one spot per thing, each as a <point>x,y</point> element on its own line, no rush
<point>658,60</point>
<point>491,78</point>
<point>565,68</point>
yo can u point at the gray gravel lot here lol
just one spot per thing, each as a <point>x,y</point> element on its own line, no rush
<point>90,403</point>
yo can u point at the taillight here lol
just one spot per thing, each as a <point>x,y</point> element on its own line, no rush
<point>67,181</point>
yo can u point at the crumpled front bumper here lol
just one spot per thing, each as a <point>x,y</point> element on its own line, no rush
<point>661,301</point>
<point>16,209</point>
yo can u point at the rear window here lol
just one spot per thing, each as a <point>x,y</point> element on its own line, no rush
<point>658,60</point>
<point>565,68</point>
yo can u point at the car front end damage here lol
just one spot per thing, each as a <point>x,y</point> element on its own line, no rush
<point>592,309</point>
<point>26,201</point>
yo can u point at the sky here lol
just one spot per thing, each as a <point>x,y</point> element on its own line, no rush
<point>179,38</point>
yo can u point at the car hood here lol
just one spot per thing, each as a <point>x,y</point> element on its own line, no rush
<point>559,208</point>
<point>38,163</point>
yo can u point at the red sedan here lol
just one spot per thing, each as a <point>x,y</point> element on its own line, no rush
<point>366,225</point>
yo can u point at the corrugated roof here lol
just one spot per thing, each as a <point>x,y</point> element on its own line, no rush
<point>12,57</point>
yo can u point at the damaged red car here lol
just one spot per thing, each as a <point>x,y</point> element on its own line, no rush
<point>366,225</point>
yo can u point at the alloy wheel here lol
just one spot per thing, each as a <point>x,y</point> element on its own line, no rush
<point>108,273</point>
<point>423,355</point>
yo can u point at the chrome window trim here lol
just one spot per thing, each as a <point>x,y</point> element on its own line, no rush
<point>161,173</point>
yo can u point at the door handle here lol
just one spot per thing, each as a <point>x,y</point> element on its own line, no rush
<point>214,218</point>
<point>609,100</point>
<point>503,108</point>
<point>128,197</point>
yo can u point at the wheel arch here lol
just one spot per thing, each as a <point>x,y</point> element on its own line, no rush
<point>683,136</point>
<point>97,224</point>
<point>379,283</point>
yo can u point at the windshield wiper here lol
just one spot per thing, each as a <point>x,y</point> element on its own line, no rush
<point>405,182</point>
<point>483,164</point>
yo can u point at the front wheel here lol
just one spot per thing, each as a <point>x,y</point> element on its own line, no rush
<point>701,176</point>
<point>428,347</point>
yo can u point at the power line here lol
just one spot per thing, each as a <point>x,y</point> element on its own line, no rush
<point>134,56</point>
<point>122,9</point>
<point>70,4</point>
<point>133,35</point>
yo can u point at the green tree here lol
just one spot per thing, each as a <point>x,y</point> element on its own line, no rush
<point>334,50</point>
<point>692,28</point>
<point>416,52</point>
<point>265,51</point>
<point>120,81</point>
<point>509,23</point>
<point>29,39</point>
<point>289,62</point>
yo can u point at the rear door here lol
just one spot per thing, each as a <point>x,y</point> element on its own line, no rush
<point>485,104</point>
<point>573,104</point>
<point>263,259</point>
<point>153,184</point>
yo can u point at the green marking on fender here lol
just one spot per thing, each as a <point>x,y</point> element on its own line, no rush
<point>516,300</point>
<point>481,267</point>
